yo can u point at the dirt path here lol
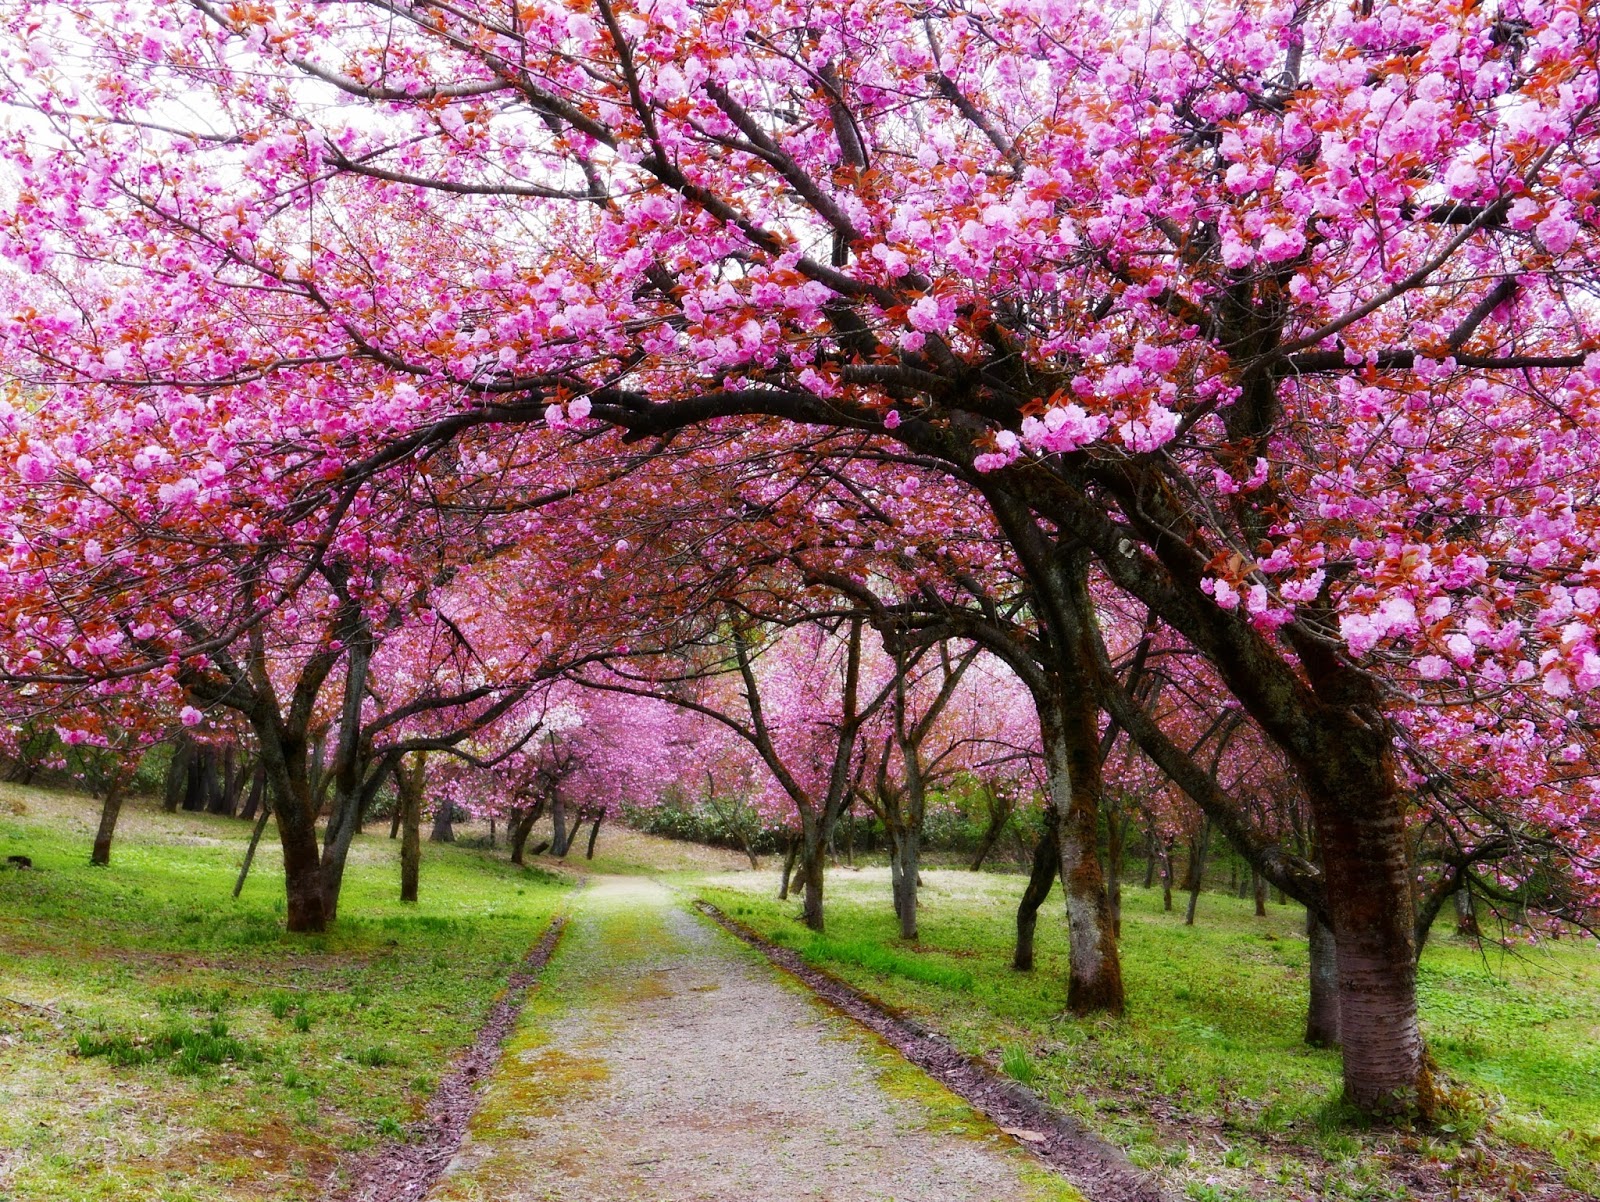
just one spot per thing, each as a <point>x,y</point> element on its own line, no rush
<point>662,1061</point>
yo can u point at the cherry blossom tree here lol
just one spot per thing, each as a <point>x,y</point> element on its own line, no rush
<point>1277,313</point>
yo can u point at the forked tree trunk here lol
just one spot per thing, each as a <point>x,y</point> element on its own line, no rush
<point>109,810</point>
<point>1322,1013</point>
<point>1046,863</point>
<point>1071,739</point>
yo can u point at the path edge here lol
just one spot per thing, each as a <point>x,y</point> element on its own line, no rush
<point>404,1171</point>
<point>1094,1167</point>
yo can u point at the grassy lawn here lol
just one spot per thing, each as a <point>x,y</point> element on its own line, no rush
<point>160,1040</point>
<point>1207,1079</point>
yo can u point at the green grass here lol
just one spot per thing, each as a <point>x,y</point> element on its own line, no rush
<point>1213,1035</point>
<point>160,1040</point>
<point>884,961</point>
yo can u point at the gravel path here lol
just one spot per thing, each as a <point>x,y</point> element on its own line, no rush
<point>662,1061</point>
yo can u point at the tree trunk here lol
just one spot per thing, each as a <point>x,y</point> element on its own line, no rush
<point>109,810</point>
<point>1046,862</point>
<point>1360,832</point>
<point>519,827</point>
<point>813,844</point>
<point>443,828</point>
<point>258,791</point>
<point>194,787</point>
<point>1258,884</point>
<point>789,857</point>
<point>394,820</point>
<point>1466,914</point>
<point>1072,762</point>
<point>491,832</point>
<point>410,785</point>
<point>1322,1014</point>
<point>224,797</point>
<point>1150,861</point>
<point>561,838</point>
<point>1187,885</point>
<point>907,845</point>
<point>1166,877</point>
<point>285,760</point>
<point>352,795</point>
<point>177,774</point>
<point>594,833</point>
<point>1116,836</point>
<point>250,851</point>
<point>1197,870</point>
<point>999,815</point>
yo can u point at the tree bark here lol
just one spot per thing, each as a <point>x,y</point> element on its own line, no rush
<point>907,859</point>
<point>194,785</point>
<point>224,797</point>
<point>1046,863</point>
<point>443,824</point>
<point>410,784</point>
<point>109,810</point>
<point>1322,1013</point>
<point>1466,914</point>
<point>1258,883</point>
<point>789,857</point>
<point>594,833</point>
<point>812,845</point>
<point>258,790</point>
<point>1360,833</point>
<point>1197,870</point>
<point>285,758</point>
<point>177,774</point>
<point>999,815</point>
<point>1116,836</point>
<point>561,838</point>
<point>1166,877</point>
<point>1072,763</point>
<point>250,851</point>
<point>352,795</point>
